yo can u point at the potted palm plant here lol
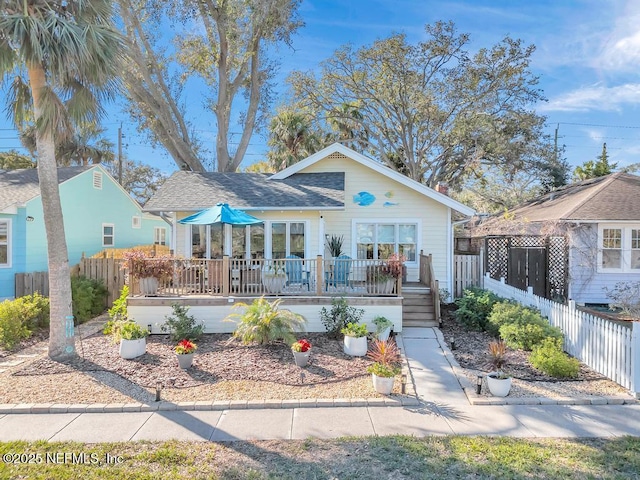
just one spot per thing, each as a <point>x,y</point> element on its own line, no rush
<point>383,327</point>
<point>301,350</point>
<point>498,382</point>
<point>386,365</point>
<point>185,350</point>
<point>355,339</point>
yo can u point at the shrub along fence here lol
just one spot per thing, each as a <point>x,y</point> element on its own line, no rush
<point>608,347</point>
<point>105,269</point>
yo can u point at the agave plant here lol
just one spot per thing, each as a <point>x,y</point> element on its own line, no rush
<point>263,322</point>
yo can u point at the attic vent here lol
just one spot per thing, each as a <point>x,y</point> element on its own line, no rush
<point>336,155</point>
<point>97,180</point>
<point>136,221</point>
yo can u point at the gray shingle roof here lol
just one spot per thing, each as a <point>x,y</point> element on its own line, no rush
<point>20,186</point>
<point>193,191</point>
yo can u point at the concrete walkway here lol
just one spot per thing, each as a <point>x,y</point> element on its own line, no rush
<point>444,410</point>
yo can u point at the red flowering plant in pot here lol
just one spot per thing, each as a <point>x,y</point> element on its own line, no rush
<point>301,351</point>
<point>184,351</point>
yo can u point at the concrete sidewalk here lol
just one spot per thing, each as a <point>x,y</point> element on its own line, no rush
<point>444,410</point>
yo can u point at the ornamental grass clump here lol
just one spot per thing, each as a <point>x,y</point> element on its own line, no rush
<point>264,322</point>
<point>185,347</point>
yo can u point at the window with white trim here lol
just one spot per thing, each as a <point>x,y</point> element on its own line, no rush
<point>378,240</point>
<point>619,248</point>
<point>287,238</point>
<point>5,242</point>
<point>136,221</point>
<point>160,236</point>
<point>108,235</point>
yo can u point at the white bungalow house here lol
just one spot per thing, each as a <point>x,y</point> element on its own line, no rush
<point>336,192</point>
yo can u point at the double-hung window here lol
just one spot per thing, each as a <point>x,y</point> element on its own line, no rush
<point>287,238</point>
<point>378,240</point>
<point>619,248</point>
<point>108,235</point>
<point>5,242</point>
<point>160,235</point>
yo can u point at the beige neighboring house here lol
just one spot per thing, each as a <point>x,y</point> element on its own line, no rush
<point>585,235</point>
<point>335,192</point>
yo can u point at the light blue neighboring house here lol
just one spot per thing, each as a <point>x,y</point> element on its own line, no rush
<point>98,214</point>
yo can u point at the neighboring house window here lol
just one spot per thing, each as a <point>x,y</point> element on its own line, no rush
<point>287,238</point>
<point>5,243</point>
<point>136,221</point>
<point>619,248</point>
<point>97,180</point>
<point>107,235</point>
<point>160,236</point>
<point>380,240</point>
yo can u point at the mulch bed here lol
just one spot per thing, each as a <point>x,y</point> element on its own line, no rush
<point>217,358</point>
<point>472,347</point>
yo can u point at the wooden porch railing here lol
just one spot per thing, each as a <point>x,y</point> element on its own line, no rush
<point>427,277</point>
<point>286,276</point>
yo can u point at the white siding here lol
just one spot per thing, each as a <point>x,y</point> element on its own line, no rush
<point>587,285</point>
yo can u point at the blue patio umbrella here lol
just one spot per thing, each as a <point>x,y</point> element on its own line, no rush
<point>220,213</point>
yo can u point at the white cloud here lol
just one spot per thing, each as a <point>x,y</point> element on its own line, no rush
<point>597,97</point>
<point>620,51</point>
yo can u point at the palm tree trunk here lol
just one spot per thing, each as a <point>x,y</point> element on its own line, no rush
<point>61,339</point>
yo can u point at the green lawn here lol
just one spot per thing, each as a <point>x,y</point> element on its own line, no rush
<point>396,457</point>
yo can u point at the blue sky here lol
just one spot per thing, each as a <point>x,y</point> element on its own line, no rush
<point>587,57</point>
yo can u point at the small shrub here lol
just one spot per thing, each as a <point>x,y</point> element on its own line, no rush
<point>118,314</point>
<point>88,298</point>
<point>263,322</point>
<point>507,312</point>
<point>19,316</point>
<point>132,331</point>
<point>528,335</point>
<point>382,323</point>
<point>182,326</point>
<point>354,330</point>
<point>474,307</point>
<point>39,311</point>
<point>550,359</point>
<point>339,316</point>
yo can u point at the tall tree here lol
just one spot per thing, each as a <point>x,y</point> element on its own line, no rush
<point>432,109</point>
<point>62,57</point>
<point>222,44</point>
<point>12,160</point>
<point>291,138</point>
<point>599,168</point>
<point>141,181</point>
<point>85,145</point>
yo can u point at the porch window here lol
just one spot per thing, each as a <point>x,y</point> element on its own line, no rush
<point>207,241</point>
<point>256,241</point>
<point>379,240</point>
<point>108,235</point>
<point>216,241</point>
<point>160,236</point>
<point>239,241</point>
<point>619,248</point>
<point>287,238</point>
<point>5,245</point>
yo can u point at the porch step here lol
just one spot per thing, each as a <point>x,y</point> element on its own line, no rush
<point>418,309</point>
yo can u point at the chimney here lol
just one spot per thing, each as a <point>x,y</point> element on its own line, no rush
<point>443,188</point>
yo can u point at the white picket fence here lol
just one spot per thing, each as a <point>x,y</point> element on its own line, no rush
<point>609,348</point>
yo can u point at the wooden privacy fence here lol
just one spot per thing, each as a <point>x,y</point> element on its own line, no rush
<point>106,269</point>
<point>467,273</point>
<point>608,347</point>
<point>30,283</point>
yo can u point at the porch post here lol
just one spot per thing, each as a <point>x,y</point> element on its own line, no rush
<point>319,274</point>
<point>226,275</point>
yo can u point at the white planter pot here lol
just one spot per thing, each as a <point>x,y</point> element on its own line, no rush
<point>382,385</point>
<point>133,348</point>
<point>301,358</point>
<point>274,283</point>
<point>381,288</point>
<point>185,360</point>
<point>355,346</point>
<point>499,387</point>
<point>384,335</point>
<point>148,286</point>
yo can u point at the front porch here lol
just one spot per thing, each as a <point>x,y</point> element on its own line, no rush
<point>210,288</point>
